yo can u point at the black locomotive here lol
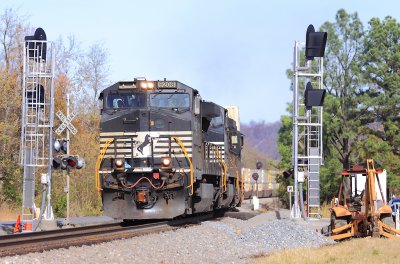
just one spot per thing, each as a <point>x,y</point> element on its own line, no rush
<point>164,152</point>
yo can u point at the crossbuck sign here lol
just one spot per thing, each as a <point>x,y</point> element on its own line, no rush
<point>66,123</point>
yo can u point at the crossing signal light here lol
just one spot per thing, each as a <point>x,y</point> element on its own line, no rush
<point>315,43</point>
<point>58,164</point>
<point>65,162</point>
<point>64,146</point>
<point>313,97</point>
<point>57,145</point>
<point>61,146</point>
<point>255,176</point>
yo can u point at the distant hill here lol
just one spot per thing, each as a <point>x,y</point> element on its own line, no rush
<point>260,141</point>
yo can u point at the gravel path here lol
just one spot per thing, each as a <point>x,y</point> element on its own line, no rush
<point>227,241</point>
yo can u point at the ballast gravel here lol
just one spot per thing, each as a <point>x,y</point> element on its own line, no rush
<point>227,241</point>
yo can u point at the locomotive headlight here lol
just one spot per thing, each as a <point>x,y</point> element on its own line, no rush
<point>143,85</point>
<point>166,162</point>
<point>150,85</point>
<point>119,163</point>
<point>147,85</point>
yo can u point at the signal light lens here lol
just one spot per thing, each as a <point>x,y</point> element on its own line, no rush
<point>64,146</point>
<point>57,145</point>
<point>57,163</point>
<point>71,163</point>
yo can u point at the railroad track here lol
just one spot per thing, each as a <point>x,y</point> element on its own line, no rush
<point>25,243</point>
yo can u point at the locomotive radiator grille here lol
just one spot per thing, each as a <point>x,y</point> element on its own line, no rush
<point>146,144</point>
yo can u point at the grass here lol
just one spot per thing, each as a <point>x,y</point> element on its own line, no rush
<point>325,213</point>
<point>361,250</point>
<point>7,213</point>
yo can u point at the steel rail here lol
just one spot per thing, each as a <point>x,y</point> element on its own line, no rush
<point>25,243</point>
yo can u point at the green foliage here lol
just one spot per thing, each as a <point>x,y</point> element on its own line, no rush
<point>380,68</point>
<point>285,149</point>
<point>60,206</point>
<point>12,190</point>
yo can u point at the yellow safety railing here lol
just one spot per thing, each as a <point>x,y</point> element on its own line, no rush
<point>234,164</point>
<point>99,161</point>
<point>177,140</point>
<point>223,166</point>
<point>242,187</point>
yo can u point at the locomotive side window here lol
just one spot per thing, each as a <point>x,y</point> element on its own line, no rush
<point>170,100</point>
<point>217,124</point>
<point>125,100</point>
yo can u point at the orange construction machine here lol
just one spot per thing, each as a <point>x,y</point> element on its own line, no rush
<point>358,213</point>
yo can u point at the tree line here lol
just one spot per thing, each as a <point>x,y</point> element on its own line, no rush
<point>362,103</point>
<point>80,72</point>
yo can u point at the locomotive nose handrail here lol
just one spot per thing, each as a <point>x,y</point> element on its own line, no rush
<point>223,167</point>
<point>98,162</point>
<point>180,143</point>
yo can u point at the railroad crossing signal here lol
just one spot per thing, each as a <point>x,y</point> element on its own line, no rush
<point>66,123</point>
<point>67,162</point>
<point>255,176</point>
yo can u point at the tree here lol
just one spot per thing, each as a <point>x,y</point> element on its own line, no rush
<point>93,71</point>
<point>11,34</point>
<point>381,70</point>
<point>342,81</point>
<point>11,40</point>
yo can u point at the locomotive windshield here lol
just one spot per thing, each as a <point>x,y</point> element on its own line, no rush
<point>125,100</point>
<point>169,100</point>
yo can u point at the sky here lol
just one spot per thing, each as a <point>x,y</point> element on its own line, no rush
<point>235,52</point>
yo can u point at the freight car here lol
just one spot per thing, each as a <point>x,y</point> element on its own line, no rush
<point>265,187</point>
<point>165,152</point>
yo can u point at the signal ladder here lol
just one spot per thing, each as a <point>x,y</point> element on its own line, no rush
<point>307,134</point>
<point>37,118</point>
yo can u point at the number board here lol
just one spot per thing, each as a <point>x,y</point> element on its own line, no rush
<point>166,85</point>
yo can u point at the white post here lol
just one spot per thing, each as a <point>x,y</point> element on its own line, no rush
<point>295,128</point>
<point>397,218</point>
<point>67,189</point>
